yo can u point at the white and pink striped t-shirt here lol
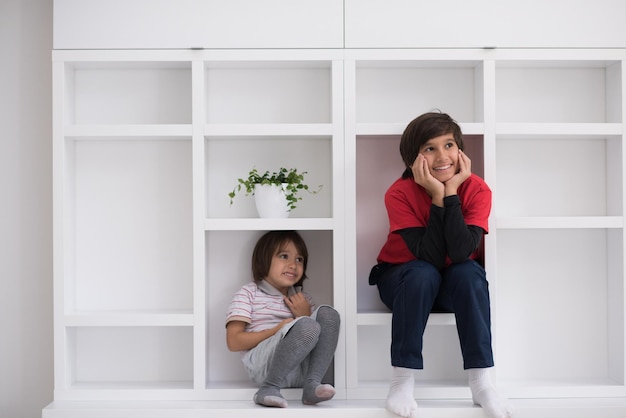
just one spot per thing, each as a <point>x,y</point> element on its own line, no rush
<point>261,306</point>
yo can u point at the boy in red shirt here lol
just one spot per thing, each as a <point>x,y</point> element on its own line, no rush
<point>438,213</point>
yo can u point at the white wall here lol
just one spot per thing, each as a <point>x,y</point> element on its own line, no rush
<point>25,208</point>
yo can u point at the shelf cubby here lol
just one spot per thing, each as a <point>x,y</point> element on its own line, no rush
<point>268,92</point>
<point>564,302</point>
<point>130,233</point>
<point>378,165</point>
<point>558,91</point>
<point>122,93</point>
<point>130,357</point>
<point>230,158</point>
<point>577,174</point>
<point>394,91</point>
<point>224,278</point>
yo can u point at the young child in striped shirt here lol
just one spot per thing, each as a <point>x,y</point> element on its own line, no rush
<point>286,341</point>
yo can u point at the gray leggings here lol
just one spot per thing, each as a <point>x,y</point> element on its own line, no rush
<point>300,352</point>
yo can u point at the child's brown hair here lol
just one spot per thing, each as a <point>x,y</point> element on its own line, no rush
<point>268,245</point>
<point>422,129</point>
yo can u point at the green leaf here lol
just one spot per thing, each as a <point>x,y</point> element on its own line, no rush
<point>293,179</point>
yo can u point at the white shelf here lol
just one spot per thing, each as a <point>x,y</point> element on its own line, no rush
<point>549,222</point>
<point>384,319</point>
<point>559,129</point>
<point>129,319</point>
<point>337,408</point>
<point>158,130</point>
<point>397,128</point>
<point>255,224</point>
<point>269,129</point>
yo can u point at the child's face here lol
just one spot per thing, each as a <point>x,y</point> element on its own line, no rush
<point>286,269</point>
<point>442,156</point>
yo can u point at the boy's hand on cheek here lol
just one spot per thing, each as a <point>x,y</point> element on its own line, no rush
<point>465,170</point>
<point>422,176</point>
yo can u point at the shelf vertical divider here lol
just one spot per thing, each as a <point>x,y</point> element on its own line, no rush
<point>339,213</point>
<point>59,250</point>
<point>198,167</point>
<point>351,328</point>
<point>489,145</point>
<point>622,325</point>
<point>617,241</point>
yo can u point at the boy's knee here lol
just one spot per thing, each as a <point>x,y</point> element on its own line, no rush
<point>468,275</point>
<point>421,276</point>
<point>327,313</point>
<point>306,325</point>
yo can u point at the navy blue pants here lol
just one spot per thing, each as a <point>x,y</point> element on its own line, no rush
<point>414,289</point>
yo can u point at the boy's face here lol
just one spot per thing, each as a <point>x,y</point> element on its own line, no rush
<point>286,269</point>
<point>442,156</point>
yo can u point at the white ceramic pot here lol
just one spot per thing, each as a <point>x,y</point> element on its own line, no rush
<point>270,201</point>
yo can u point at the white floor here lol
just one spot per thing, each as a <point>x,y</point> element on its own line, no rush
<point>535,408</point>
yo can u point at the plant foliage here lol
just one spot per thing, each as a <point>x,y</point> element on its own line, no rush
<point>291,179</point>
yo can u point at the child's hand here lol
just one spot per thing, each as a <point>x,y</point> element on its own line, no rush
<point>422,176</point>
<point>298,305</point>
<point>465,170</point>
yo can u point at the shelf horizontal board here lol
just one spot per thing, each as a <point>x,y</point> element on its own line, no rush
<point>384,319</point>
<point>123,386</point>
<point>129,319</point>
<point>150,130</point>
<point>563,388</point>
<point>257,224</point>
<point>525,389</point>
<point>569,129</point>
<point>107,57</point>
<point>365,408</point>
<point>550,222</point>
<point>269,129</point>
<point>508,129</point>
<point>398,128</point>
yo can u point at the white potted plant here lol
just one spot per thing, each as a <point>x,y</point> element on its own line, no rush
<point>276,193</point>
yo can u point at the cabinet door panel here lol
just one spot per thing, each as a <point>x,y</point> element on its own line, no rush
<point>144,24</point>
<point>484,23</point>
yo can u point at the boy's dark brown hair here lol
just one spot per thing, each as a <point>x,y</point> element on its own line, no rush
<point>268,245</point>
<point>423,128</point>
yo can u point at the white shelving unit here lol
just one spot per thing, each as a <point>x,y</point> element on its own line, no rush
<point>267,111</point>
<point>576,237</point>
<point>149,250</point>
<point>385,90</point>
<point>545,130</point>
<point>123,225</point>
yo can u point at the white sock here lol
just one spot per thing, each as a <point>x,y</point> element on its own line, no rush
<point>400,400</point>
<point>485,395</point>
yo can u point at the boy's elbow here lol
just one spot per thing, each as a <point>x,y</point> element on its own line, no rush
<point>235,340</point>
<point>232,344</point>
